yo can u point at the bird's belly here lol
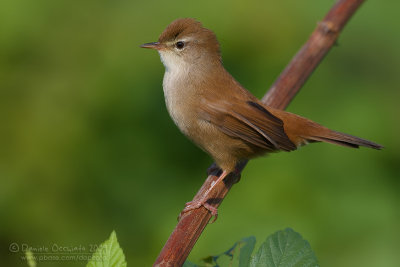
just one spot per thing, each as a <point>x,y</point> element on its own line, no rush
<point>180,118</point>
<point>192,126</point>
<point>224,149</point>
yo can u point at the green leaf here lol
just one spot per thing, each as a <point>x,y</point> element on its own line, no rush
<point>189,264</point>
<point>238,255</point>
<point>108,254</point>
<point>284,249</point>
<point>246,247</point>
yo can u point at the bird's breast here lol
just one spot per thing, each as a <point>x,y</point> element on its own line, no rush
<point>179,98</point>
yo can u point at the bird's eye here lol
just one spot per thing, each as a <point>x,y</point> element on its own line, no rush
<point>180,45</point>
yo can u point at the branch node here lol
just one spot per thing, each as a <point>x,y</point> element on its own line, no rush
<point>328,27</point>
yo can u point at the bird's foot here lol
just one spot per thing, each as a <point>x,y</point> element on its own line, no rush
<point>195,204</point>
<point>204,200</point>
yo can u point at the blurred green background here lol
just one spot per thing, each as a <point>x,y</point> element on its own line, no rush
<point>87,146</point>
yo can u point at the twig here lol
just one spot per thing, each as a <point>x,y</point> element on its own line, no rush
<point>192,223</point>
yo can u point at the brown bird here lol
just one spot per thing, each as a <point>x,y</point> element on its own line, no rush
<point>224,119</point>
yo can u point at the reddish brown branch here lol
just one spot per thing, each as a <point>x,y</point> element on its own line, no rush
<point>192,223</point>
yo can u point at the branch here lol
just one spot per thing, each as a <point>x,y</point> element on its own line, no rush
<point>192,223</point>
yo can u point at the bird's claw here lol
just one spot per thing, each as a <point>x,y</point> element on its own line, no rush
<point>192,205</point>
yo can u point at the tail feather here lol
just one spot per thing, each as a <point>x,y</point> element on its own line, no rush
<point>342,139</point>
<point>301,131</point>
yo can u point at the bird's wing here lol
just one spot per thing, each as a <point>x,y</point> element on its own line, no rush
<point>249,121</point>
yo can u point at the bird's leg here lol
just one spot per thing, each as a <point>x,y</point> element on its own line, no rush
<point>195,204</point>
<point>214,170</point>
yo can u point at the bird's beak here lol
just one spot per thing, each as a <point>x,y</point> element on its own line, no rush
<point>154,45</point>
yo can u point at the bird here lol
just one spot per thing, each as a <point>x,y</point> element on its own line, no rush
<point>218,114</point>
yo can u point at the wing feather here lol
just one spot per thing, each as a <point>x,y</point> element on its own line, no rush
<point>251,122</point>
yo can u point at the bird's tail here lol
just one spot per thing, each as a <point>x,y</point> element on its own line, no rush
<point>301,131</point>
<point>342,139</point>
